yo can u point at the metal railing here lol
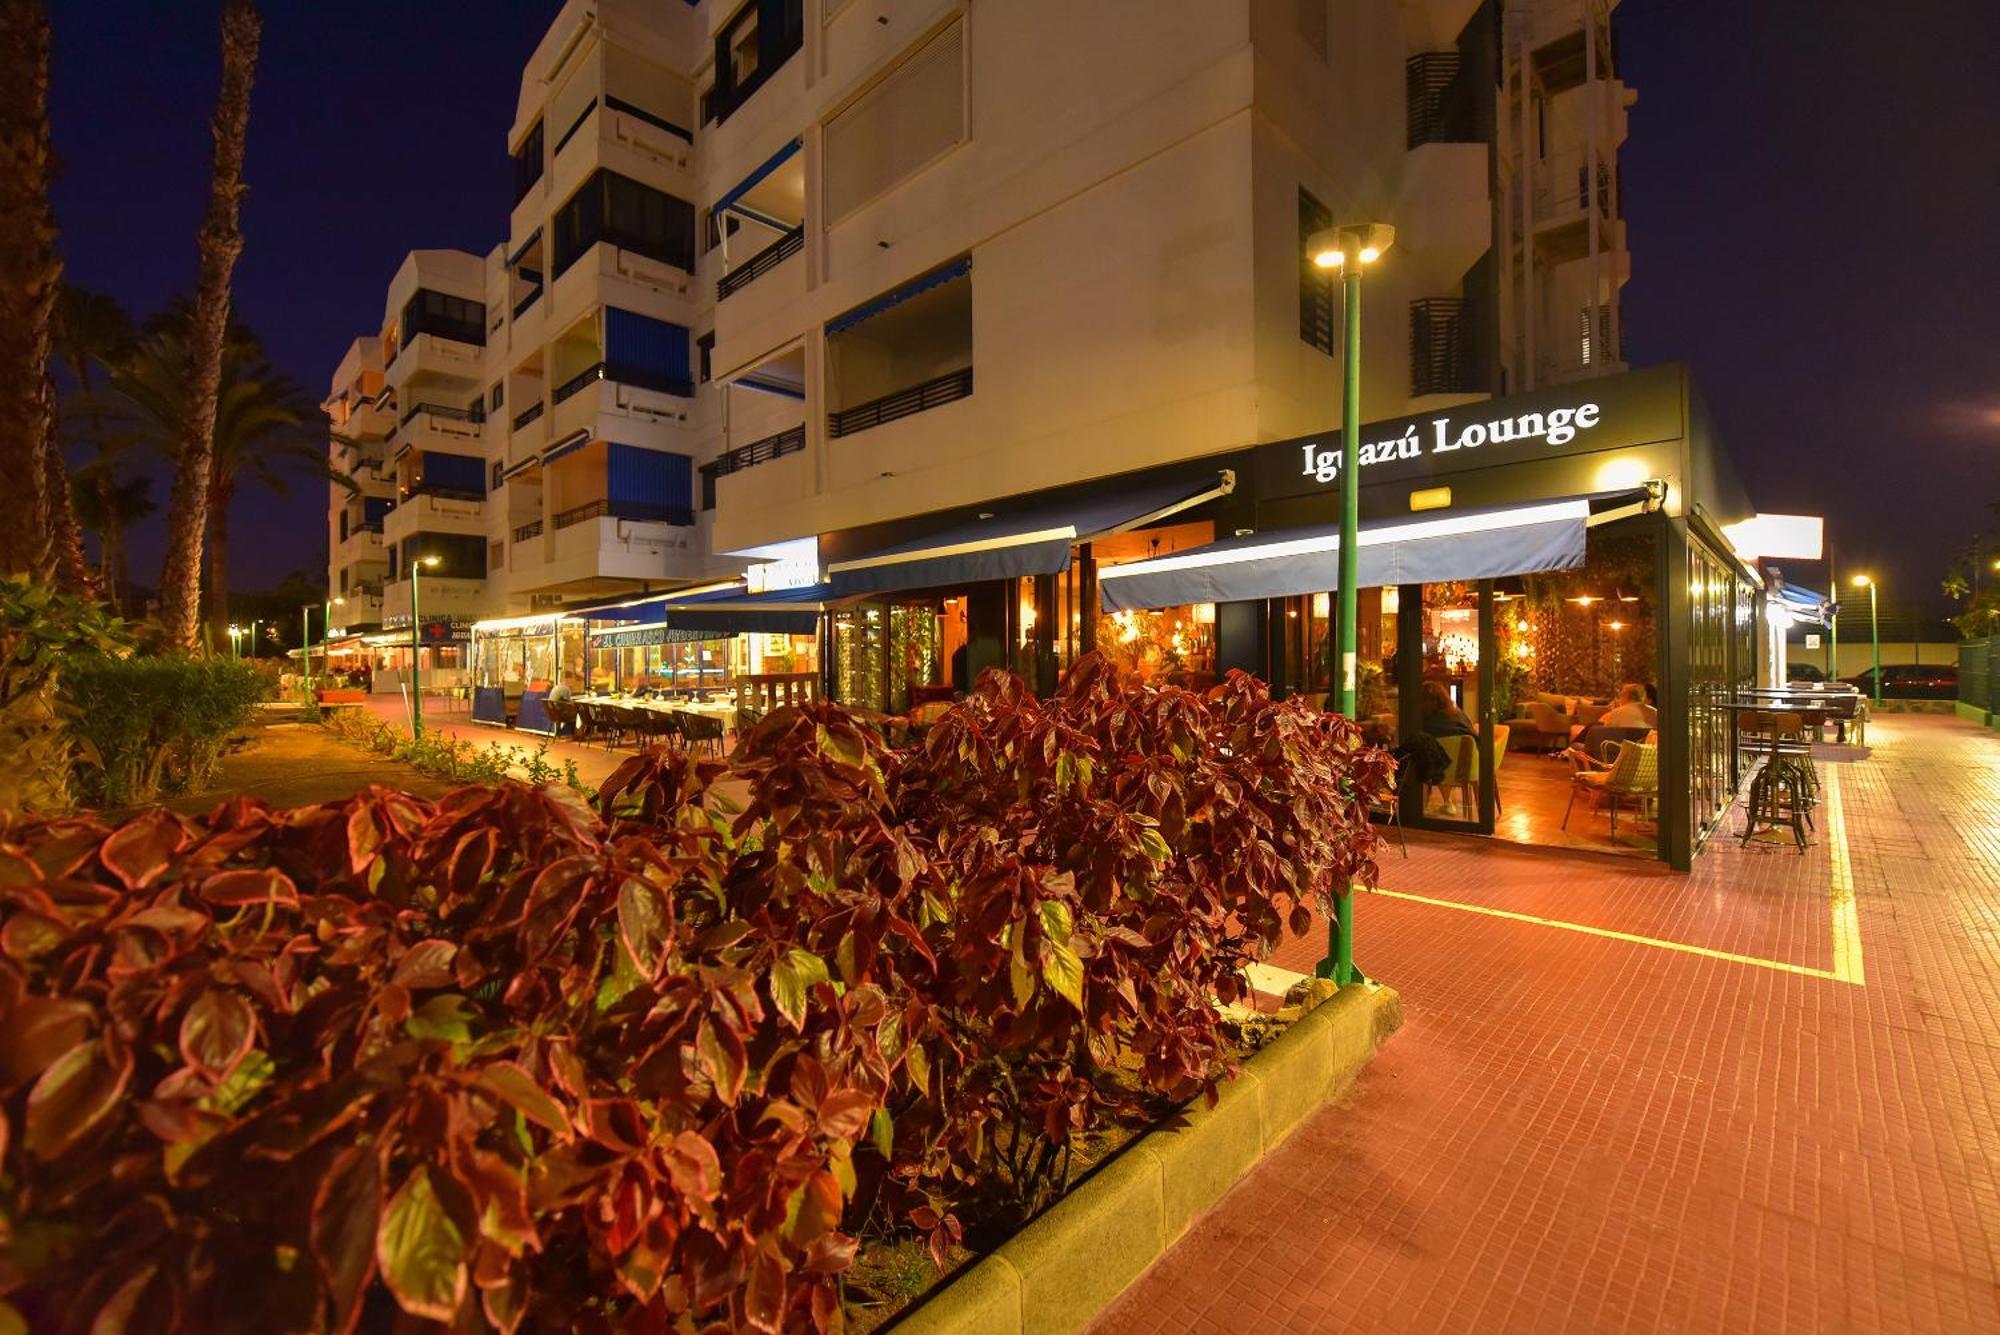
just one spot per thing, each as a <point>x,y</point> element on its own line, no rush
<point>527,415</point>
<point>590,375</point>
<point>526,302</point>
<point>1439,105</point>
<point>474,414</point>
<point>765,260</point>
<point>531,529</point>
<point>442,493</point>
<point>633,510</point>
<point>935,393</point>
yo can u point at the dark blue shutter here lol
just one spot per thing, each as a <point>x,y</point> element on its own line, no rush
<point>454,472</point>
<point>651,354</point>
<point>649,484</point>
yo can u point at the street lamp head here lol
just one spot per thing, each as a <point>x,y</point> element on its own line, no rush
<point>1862,581</point>
<point>1364,243</point>
<point>427,561</point>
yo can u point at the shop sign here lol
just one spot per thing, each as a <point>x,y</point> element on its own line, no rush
<point>637,638</point>
<point>1556,427</point>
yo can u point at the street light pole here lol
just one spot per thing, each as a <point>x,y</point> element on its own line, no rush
<point>416,646</point>
<point>1350,249</point>
<point>306,647</point>
<point>1874,630</point>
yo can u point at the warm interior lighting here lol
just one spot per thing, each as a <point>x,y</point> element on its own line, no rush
<point>1521,625</point>
<point>1585,599</point>
<point>1204,614</point>
<point>1323,603</point>
<point>1617,625</point>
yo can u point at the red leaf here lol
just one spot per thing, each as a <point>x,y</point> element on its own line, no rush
<point>831,1253</point>
<point>723,1058</point>
<point>694,1167</point>
<point>28,934</point>
<point>347,1210</point>
<point>512,1084</point>
<point>426,964</point>
<point>139,850</point>
<point>77,1092</point>
<point>844,1113</point>
<point>261,885</point>
<point>216,1031</point>
<point>36,1032</point>
<point>764,1296</point>
<point>645,924</point>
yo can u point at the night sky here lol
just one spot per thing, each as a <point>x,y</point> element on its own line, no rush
<point>1809,188</point>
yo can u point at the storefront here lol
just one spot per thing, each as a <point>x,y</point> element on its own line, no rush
<point>516,661</point>
<point>1552,569</point>
<point>761,646</point>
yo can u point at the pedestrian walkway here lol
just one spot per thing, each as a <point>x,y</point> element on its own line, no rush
<point>1763,1097</point>
<point>594,764</point>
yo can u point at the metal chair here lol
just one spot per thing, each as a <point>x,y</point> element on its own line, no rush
<point>701,730</point>
<point>1634,775</point>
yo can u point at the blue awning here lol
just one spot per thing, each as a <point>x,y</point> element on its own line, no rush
<point>1029,541</point>
<point>1414,549</point>
<point>750,182</point>
<point>1804,604</point>
<point>868,310</point>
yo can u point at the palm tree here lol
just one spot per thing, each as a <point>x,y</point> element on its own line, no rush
<point>220,242</point>
<point>92,331</point>
<point>30,275</point>
<point>263,427</point>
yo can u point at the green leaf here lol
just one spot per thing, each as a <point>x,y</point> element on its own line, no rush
<point>447,1016</point>
<point>645,924</point>
<point>882,1131</point>
<point>1019,972</point>
<point>1156,847</point>
<point>1055,919</point>
<point>1063,971</point>
<point>421,1251</point>
<point>919,1067</point>
<point>790,977</point>
<point>512,1084</point>
<point>250,1076</point>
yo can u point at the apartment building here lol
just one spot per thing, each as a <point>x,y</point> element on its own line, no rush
<point>815,278</point>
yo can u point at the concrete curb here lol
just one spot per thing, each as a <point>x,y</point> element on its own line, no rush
<point>1059,1272</point>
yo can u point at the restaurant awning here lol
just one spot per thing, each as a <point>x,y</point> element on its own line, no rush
<point>712,612</point>
<point>1032,541</point>
<point>1285,563</point>
<point>1804,605</point>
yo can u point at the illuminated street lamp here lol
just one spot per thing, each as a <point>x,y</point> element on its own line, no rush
<point>1350,249</point>
<point>417,646</point>
<point>1874,630</point>
<point>236,641</point>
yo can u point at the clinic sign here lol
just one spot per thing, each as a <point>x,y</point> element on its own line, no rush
<point>1603,413</point>
<point>1555,428</point>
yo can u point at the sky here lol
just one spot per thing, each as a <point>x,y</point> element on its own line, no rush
<point>1809,191</point>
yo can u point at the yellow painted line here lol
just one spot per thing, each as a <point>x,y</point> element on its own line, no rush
<point>1846,917</point>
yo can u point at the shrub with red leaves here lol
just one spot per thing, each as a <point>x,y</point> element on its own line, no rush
<point>502,1060</point>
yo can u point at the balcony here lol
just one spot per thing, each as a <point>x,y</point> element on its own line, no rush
<point>1562,189</point>
<point>749,456</point>
<point>934,393</point>
<point>435,510</point>
<point>626,510</point>
<point>430,354</point>
<point>529,531</point>
<point>765,260</point>
<point>441,597</point>
<point>528,416</point>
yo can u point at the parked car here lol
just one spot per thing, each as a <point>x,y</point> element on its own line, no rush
<point>1911,681</point>
<point>1803,672</point>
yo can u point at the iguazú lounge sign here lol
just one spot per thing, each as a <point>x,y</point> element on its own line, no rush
<point>1447,434</point>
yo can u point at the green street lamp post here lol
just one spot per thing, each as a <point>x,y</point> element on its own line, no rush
<point>306,647</point>
<point>417,647</point>
<point>1874,630</point>
<point>236,641</point>
<point>1349,248</point>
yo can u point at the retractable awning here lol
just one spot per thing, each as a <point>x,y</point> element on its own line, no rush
<point>1033,541</point>
<point>1288,563</point>
<point>712,613</point>
<point>1804,605</point>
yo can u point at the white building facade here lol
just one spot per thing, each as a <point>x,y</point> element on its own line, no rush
<point>781,269</point>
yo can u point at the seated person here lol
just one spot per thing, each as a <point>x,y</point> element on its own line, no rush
<point>1442,718</point>
<point>561,690</point>
<point>1630,710</point>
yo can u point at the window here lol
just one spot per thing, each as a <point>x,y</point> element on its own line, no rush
<point>756,41</point>
<point>497,395</point>
<point>913,115</point>
<point>528,163</point>
<point>445,316</point>
<point>460,555</point>
<point>613,208</point>
<point>706,347</point>
<point>458,476</point>
<point>1316,315</point>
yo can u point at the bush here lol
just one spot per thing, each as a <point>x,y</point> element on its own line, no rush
<point>41,632</point>
<point>503,1060</point>
<point>155,725</point>
<point>453,758</point>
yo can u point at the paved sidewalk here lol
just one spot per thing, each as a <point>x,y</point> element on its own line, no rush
<point>1764,1097</point>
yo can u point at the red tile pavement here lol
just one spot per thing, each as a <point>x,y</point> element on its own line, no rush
<point>1579,1133</point>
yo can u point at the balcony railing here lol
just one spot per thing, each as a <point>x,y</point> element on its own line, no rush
<point>765,260</point>
<point>441,493</point>
<point>527,415</point>
<point>531,529</point>
<point>633,510</point>
<point>575,384</point>
<point>527,301</point>
<point>1444,355</point>
<point>947,388</point>
<point>749,456</point>
<point>474,414</point>
<point>365,526</point>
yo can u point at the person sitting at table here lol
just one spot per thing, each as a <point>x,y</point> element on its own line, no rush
<point>1442,718</point>
<point>561,690</point>
<point>1630,710</point>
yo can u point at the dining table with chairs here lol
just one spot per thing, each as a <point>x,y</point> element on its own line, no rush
<point>693,719</point>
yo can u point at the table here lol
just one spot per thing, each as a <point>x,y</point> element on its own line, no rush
<point>722,709</point>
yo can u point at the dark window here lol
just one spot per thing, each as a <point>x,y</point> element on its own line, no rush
<point>460,555</point>
<point>528,163</point>
<point>634,217</point>
<point>649,353</point>
<point>1315,283</point>
<point>459,476</point>
<point>758,39</point>
<point>706,346</point>
<point>444,316</point>
<point>497,396</point>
